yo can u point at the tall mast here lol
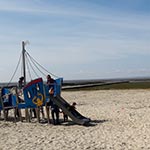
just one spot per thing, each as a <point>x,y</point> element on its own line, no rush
<point>23,61</point>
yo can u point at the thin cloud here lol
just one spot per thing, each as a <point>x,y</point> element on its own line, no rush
<point>74,33</point>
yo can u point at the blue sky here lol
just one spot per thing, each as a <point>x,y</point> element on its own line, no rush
<point>77,39</point>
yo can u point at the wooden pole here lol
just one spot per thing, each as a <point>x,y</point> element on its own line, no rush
<point>24,74</point>
<point>23,59</point>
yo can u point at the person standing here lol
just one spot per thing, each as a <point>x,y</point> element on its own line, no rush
<point>20,89</point>
<point>55,113</point>
<point>50,80</point>
<point>20,82</point>
<point>54,108</point>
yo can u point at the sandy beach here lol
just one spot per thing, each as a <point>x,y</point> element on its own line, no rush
<point>120,120</point>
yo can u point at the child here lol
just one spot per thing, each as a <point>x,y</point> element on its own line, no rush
<point>73,106</point>
<point>65,117</point>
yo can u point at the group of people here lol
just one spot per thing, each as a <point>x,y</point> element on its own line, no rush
<point>55,110</point>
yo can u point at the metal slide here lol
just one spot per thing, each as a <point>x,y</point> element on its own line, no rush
<point>72,113</point>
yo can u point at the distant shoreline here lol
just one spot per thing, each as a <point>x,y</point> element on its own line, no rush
<point>120,83</point>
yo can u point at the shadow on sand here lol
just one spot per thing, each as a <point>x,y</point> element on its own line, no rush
<point>95,122</point>
<point>90,124</point>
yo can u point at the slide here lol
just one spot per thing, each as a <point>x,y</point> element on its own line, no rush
<point>72,113</point>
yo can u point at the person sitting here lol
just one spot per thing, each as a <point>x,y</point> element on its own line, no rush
<point>73,106</point>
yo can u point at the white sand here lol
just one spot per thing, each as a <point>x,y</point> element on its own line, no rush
<point>121,120</point>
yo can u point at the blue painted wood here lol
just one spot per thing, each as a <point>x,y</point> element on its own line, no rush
<point>8,99</point>
<point>34,95</point>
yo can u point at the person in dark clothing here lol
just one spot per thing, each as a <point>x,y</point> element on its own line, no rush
<point>73,106</point>
<point>20,89</point>
<point>55,113</point>
<point>54,108</point>
<point>20,82</point>
<point>65,116</point>
<point>50,81</point>
<point>51,85</point>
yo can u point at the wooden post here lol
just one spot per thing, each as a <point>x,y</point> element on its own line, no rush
<point>19,110</point>
<point>23,61</point>
<point>47,113</point>
<point>4,112</point>
<point>38,114</point>
<point>28,119</point>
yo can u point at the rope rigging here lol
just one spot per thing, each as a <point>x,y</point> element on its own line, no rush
<point>35,62</point>
<point>36,65</point>
<point>28,68</point>
<point>32,67</point>
<point>14,71</point>
<point>31,64</point>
